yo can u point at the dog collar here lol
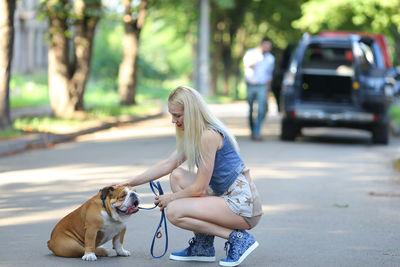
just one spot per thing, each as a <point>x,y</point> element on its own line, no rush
<point>102,198</point>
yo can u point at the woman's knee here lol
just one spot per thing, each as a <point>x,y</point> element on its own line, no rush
<point>175,179</point>
<point>180,179</point>
<point>177,175</point>
<point>172,212</point>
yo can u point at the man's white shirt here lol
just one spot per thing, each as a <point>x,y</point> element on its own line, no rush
<point>261,72</point>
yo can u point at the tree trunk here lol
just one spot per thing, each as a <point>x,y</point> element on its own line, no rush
<point>85,30</point>
<point>217,27</point>
<point>216,59</point>
<point>127,75</point>
<point>227,59</point>
<point>7,8</point>
<point>58,67</point>
<point>240,40</point>
<point>68,77</point>
<point>204,49</point>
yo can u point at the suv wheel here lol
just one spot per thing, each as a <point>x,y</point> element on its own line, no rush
<point>380,134</point>
<point>289,130</point>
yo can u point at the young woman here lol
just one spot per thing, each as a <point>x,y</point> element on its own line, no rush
<point>219,199</point>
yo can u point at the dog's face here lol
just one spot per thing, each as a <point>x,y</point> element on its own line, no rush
<point>123,201</point>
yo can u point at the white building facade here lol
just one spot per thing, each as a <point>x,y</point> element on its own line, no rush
<point>30,38</point>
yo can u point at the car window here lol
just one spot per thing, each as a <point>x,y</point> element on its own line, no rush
<point>327,57</point>
<point>367,56</point>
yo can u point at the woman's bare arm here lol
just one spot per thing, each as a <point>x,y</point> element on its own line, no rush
<point>156,171</point>
<point>213,141</point>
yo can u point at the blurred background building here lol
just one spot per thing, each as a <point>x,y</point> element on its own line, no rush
<point>30,38</point>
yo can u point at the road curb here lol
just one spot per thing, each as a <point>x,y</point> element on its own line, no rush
<point>45,140</point>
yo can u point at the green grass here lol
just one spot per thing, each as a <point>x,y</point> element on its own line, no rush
<point>62,125</point>
<point>29,90</point>
<point>101,102</point>
<point>221,99</point>
<point>116,111</point>
<point>10,133</point>
<point>395,114</point>
<point>98,93</point>
<point>45,123</point>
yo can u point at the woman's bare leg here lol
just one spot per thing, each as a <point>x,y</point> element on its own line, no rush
<point>208,214</point>
<point>180,179</point>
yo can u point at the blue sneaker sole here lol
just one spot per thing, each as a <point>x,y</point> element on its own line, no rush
<point>192,258</point>
<point>245,254</point>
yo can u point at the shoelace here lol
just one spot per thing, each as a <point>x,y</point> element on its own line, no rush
<point>227,248</point>
<point>191,242</point>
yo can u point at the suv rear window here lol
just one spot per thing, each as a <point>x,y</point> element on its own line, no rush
<point>327,57</point>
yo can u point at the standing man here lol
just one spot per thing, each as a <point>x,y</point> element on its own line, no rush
<point>258,68</point>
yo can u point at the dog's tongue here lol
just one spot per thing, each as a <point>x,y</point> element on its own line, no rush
<point>131,210</point>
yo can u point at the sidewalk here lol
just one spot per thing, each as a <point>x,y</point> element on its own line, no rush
<point>42,140</point>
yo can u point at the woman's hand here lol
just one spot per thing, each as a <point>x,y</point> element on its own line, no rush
<point>162,201</point>
<point>114,185</point>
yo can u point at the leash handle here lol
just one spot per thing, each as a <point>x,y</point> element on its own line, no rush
<point>157,187</point>
<point>158,235</point>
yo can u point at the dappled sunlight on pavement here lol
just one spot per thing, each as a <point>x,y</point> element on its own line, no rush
<point>143,129</point>
<point>71,173</point>
<point>90,174</point>
<point>49,194</point>
<point>26,217</point>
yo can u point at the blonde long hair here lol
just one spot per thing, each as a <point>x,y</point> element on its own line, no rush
<point>197,118</point>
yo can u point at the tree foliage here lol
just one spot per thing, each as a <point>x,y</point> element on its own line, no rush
<point>377,16</point>
<point>238,25</point>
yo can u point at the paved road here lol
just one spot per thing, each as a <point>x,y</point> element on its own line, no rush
<point>330,199</point>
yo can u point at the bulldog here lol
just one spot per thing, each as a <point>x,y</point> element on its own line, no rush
<point>100,219</point>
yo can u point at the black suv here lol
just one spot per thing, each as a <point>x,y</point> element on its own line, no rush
<point>338,82</point>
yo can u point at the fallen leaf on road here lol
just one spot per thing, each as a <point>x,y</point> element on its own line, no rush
<point>340,205</point>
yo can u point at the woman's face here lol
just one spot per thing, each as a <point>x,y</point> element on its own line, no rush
<point>177,115</point>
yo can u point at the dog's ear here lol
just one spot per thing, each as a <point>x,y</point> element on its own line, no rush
<point>108,190</point>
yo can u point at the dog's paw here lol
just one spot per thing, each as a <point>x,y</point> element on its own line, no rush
<point>89,257</point>
<point>123,252</point>
<point>103,252</point>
